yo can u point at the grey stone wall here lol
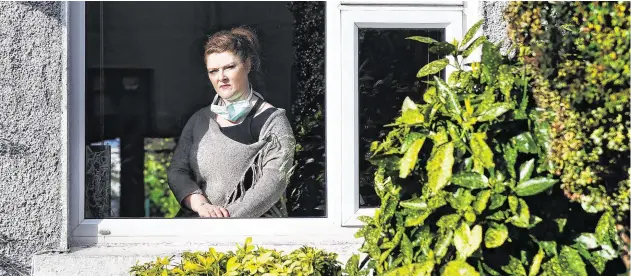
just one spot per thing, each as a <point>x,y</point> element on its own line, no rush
<point>31,86</point>
<point>494,26</point>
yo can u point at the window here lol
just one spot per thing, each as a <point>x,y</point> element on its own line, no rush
<point>99,64</point>
<point>378,71</point>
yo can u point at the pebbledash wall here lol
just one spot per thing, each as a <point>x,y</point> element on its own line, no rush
<point>34,146</point>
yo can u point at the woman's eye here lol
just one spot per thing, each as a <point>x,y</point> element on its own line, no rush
<point>212,71</point>
<point>231,67</point>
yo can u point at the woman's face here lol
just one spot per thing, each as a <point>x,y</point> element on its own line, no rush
<point>228,74</point>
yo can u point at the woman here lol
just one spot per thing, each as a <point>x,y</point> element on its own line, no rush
<point>234,157</point>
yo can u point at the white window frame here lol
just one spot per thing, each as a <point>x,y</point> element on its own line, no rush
<point>453,19</point>
<point>335,226</point>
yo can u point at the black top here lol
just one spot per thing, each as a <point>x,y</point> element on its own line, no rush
<point>247,132</point>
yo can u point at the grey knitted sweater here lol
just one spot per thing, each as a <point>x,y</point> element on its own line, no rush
<point>207,162</point>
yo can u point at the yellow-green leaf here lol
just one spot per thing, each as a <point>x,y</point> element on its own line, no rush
<point>432,68</point>
<point>406,248</point>
<point>410,138</point>
<point>442,48</point>
<point>481,201</point>
<point>496,235</point>
<point>414,204</point>
<point>449,96</point>
<point>524,143</point>
<point>525,170</point>
<point>411,117</point>
<point>442,243</point>
<point>467,240</point>
<point>494,110</point>
<point>506,80</point>
<point>448,221</point>
<point>481,151</point>
<point>471,180</point>
<point>497,200</point>
<point>459,268</point>
<point>417,218</point>
<point>408,104</point>
<point>474,45</point>
<point>571,262</point>
<point>409,159</point>
<point>534,186</point>
<point>415,269</point>
<point>536,263</point>
<point>439,166</point>
<point>422,39</point>
<point>430,95</point>
<point>514,267</point>
<point>471,32</point>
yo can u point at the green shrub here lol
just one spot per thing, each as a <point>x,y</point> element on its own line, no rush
<point>464,185</point>
<point>577,54</point>
<point>247,260</point>
<point>161,201</point>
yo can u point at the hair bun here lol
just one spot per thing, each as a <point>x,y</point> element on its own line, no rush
<point>249,35</point>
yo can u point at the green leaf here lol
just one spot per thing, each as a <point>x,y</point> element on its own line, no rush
<point>524,143</point>
<point>430,95</point>
<point>588,240</point>
<point>467,240</point>
<point>571,262</point>
<point>481,151</point>
<point>417,218</point>
<point>495,110</point>
<point>448,221</point>
<point>424,269</point>
<point>471,32</point>
<point>409,140</point>
<point>481,201</point>
<point>522,218</point>
<point>549,247</point>
<point>606,229</point>
<point>513,203</point>
<point>553,268</point>
<point>442,243</point>
<point>506,80</point>
<point>525,170</point>
<point>414,204</point>
<point>439,167</point>
<point>422,39</point>
<point>534,186</point>
<point>510,155</point>
<point>499,215</point>
<point>561,223</point>
<point>496,235</point>
<point>474,45</point>
<point>448,96</point>
<point>409,159</point>
<point>536,263</point>
<point>432,68</point>
<point>408,104</point>
<point>491,58</point>
<point>471,180</point>
<point>352,265</point>
<point>497,200</point>
<point>514,267</point>
<point>365,219</point>
<point>488,269</point>
<point>442,48</point>
<point>406,248</point>
<point>410,117</point>
<point>459,268</point>
<point>461,199</point>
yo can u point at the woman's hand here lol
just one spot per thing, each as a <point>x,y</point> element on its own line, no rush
<point>207,210</point>
<point>200,205</point>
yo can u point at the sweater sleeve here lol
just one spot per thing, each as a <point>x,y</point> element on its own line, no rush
<point>179,174</point>
<point>277,162</point>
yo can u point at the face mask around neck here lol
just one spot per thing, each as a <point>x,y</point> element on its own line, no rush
<point>233,111</point>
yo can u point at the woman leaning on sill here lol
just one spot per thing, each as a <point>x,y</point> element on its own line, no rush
<point>234,157</point>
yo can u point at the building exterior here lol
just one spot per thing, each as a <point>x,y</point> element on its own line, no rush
<point>42,80</point>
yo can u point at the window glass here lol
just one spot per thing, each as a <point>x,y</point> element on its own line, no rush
<point>387,67</point>
<point>147,75</point>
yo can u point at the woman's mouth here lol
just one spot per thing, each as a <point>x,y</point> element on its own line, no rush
<point>225,86</point>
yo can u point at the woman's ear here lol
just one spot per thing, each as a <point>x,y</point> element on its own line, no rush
<point>248,65</point>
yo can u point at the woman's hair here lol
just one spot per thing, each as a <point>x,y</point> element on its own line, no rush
<point>240,40</point>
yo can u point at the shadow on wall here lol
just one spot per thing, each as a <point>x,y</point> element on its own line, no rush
<point>9,267</point>
<point>50,9</point>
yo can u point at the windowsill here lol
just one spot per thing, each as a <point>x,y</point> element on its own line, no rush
<point>117,258</point>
